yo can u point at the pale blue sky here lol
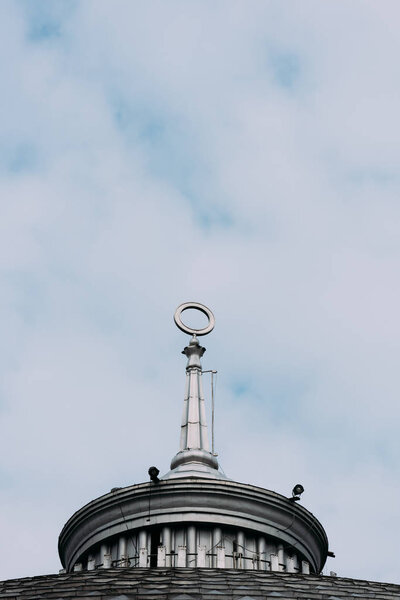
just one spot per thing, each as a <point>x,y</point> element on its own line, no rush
<point>243,154</point>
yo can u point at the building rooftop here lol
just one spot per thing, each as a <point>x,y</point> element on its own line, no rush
<point>193,584</point>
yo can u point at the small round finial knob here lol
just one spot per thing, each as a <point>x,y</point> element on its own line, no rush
<point>197,306</point>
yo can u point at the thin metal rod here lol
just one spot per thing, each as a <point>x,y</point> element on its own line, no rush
<point>212,411</point>
<point>212,408</point>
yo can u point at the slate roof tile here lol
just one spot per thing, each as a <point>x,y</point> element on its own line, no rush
<point>192,584</point>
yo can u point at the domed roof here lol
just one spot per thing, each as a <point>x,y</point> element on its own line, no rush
<point>194,515</point>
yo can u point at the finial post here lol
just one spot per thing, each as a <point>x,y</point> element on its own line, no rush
<point>194,352</point>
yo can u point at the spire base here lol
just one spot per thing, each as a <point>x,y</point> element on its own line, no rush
<point>194,463</point>
<point>194,456</point>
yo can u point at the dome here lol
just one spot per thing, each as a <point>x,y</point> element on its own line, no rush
<point>194,516</point>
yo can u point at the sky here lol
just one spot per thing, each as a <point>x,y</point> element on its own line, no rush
<point>243,154</point>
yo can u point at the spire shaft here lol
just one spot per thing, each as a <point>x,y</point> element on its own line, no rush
<point>194,433</point>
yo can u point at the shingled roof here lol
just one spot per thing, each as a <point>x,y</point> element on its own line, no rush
<point>193,584</point>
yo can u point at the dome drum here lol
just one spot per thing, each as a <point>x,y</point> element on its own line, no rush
<point>184,521</point>
<point>191,545</point>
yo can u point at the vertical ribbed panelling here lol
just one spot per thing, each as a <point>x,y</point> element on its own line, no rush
<point>241,550</point>
<point>161,556</point>
<point>182,562</point>
<point>262,555</point>
<point>201,556</point>
<point>216,541</point>
<point>122,552</point>
<point>305,567</point>
<point>191,546</point>
<point>143,549</point>
<point>103,554</point>
<point>202,545</point>
<point>166,541</point>
<point>281,558</point>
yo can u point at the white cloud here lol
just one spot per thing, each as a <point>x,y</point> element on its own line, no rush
<point>153,154</point>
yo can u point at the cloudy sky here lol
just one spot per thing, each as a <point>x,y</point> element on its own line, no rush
<point>243,154</point>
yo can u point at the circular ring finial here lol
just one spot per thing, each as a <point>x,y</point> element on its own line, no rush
<point>197,306</point>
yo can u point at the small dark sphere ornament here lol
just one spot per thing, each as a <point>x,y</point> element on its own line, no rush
<point>197,306</point>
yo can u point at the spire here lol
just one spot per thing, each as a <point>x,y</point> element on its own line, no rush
<point>194,457</point>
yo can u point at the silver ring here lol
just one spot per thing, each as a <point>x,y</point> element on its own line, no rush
<point>196,305</point>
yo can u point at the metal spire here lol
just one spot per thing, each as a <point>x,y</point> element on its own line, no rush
<point>194,457</point>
